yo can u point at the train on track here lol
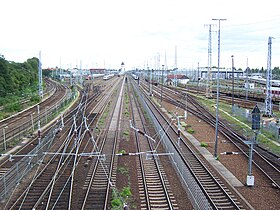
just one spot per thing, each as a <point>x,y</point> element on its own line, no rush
<point>108,76</point>
<point>135,76</point>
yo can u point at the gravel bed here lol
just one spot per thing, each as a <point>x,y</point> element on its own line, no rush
<point>263,195</point>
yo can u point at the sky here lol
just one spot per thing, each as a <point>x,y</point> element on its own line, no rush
<point>140,33</point>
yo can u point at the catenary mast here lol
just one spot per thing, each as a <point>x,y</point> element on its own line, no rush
<point>209,72</point>
<point>268,99</point>
<point>40,88</point>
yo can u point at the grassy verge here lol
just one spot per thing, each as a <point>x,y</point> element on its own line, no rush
<point>241,125</point>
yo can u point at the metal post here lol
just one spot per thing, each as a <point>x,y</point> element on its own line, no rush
<point>250,158</point>
<point>40,91</point>
<point>62,122</point>
<point>39,128</point>
<point>250,178</point>
<point>218,86</point>
<point>232,94</point>
<point>179,130</point>
<point>179,126</point>
<point>198,78</point>
<point>161,85</point>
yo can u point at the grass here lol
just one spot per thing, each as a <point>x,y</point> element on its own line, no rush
<point>126,112</point>
<point>126,133</point>
<point>190,130</point>
<point>203,144</point>
<point>119,198</point>
<point>123,170</point>
<point>241,125</point>
<point>183,124</point>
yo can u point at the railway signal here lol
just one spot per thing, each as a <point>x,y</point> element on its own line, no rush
<point>255,127</point>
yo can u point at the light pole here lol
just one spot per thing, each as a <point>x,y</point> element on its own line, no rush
<point>161,85</point>
<point>39,128</point>
<point>232,94</point>
<point>218,90</point>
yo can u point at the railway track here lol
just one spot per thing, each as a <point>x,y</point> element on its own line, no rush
<point>101,177</point>
<point>155,191</point>
<point>268,163</point>
<point>54,186</point>
<point>18,126</point>
<point>211,188</point>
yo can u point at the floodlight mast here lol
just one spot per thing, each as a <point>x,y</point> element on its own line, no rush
<point>218,90</point>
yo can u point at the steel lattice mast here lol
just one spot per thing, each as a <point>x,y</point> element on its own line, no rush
<point>268,99</point>
<point>209,72</point>
<point>40,89</point>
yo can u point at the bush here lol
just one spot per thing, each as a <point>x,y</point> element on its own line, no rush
<point>116,202</point>
<point>190,130</point>
<point>13,107</point>
<point>126,192</point>
<point>126,133</point>
<point>35,98</point>
<point>203,144</point>
<point>123,170</point>
<point>183,124</point>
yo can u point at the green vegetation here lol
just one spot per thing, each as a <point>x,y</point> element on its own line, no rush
<point>123,170</point>
<point>183,124</point>
<point>190,130</point>
<point>126,192</point>
<point>122,151</point>
<point>126,133</point>
<point>18,81</point>
<point>119,198</point>
<point>18,78</point>
<point>203,144</point>
<point>103,117</point>
<point>126,113</point>
<point>241,125</point>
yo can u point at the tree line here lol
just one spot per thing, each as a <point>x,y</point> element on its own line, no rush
<point>18,78</point>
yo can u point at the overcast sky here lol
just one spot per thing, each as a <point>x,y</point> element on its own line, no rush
<point>98,33</point>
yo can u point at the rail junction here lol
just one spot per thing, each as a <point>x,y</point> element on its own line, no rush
<point>121,145</point>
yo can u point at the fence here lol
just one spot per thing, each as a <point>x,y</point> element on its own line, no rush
<point>272,128</point>
<point>195,194</point>
<point>10,179</point>
<point>11,136</point>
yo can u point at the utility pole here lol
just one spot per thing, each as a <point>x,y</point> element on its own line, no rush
<point>268,98</point>
<point>247,83</point>
<point>175,63</point>
<point>209,72</point>
<point>218,90</point>
<point>198,77</point>
<point>81,74</point>
<point>40,91</point>
<point>232,94</point>
<point>39,127</point>
<point>161,85</point>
